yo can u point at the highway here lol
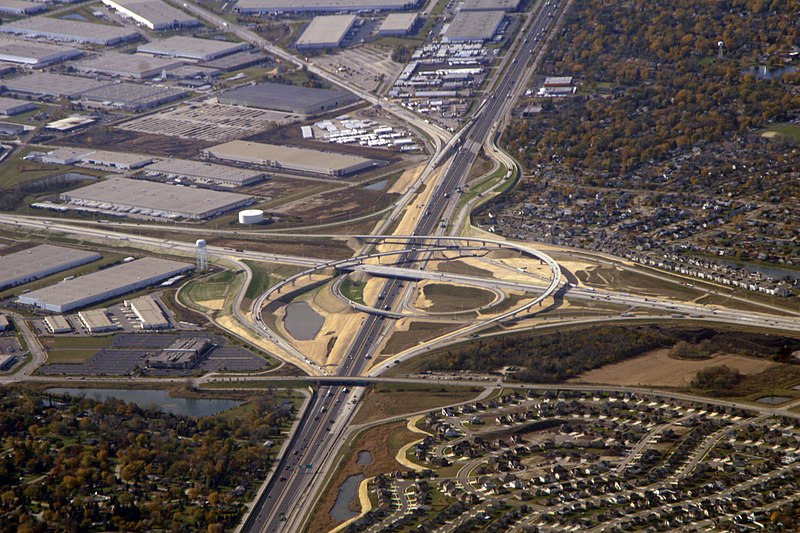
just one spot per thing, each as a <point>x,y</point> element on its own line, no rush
<point>286,501</point>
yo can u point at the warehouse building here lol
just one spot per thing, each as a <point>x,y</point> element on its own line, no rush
<point>206,173</point>
<point>7,361</point>
<point>69,30</point>
<point>115,160</point>
<point>490,5</point>
<point>103,285</point>
<point>11,128</point>
<point>96,321</point>
<point>318,6</point>
<point>21,8</point>
<point>470,26</point>
<point>70,123</point>
<point>181,354</point>
<point>158,200</point>
<point>398,24</point>
<point>288,98</point>
<point>10,107</point>
<point>35,54</point>
<point>131,96</point>
<point>327,31</point>
<point>237,61</point>
<point>57,324</point>
<point>5,324</point>
<point>192,48</point>
<point>50,84</point>
<point>149,313</point>
<point>39,262</point>
<point>290,158</point>
<point>153,14</point>
<point>134,66</point>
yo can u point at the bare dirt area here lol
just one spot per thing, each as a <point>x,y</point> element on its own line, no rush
<point>382,442</point>
<point>416,333</point>
<point>446,298</point>
<point>658,369</point>
<point>394,400</point>
<point>128,141</point>
<point>350,202</point>
<point>367,66</point>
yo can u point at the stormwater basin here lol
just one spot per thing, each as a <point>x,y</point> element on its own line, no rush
<point>348,492</point>
<point>377,186</point>
<point>302,322</point>
<point>194,407</point>
<point>364,458</point>
<point>773,400</point>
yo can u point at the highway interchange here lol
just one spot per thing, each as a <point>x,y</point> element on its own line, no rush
<point>286,502</point>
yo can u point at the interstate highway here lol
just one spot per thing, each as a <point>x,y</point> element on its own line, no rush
<point>285,503</point>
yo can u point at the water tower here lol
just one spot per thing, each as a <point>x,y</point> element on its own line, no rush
<point>720,46</point>
<point>202,255</point>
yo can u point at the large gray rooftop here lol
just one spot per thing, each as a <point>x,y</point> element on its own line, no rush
<point>326,30</point>
<point>32,53</point>
<point>126,65</point>
<point>489,5</point>
<point>154,14</point>
<point>69,30</point>
<point>41,261</point>
<point>97,284</point>
<point>48,83</point>
<point>192,47</point>
<point>279,6</point>
<point>474,26</point>
<point>139,194</point>
<point>288,98</point>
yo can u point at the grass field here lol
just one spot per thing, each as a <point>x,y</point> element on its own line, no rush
<point>786,130</point>
<point>261,281</point>
<point>451,298</point>
<point>389,399</point>
<point>73,349</point>
<point>16,170</point>
<point>354,290</point>
<point>216,287</point>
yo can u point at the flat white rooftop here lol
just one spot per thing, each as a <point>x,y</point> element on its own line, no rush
<point>41,261</point>
<point>326,30</point>
<point>69,30</point>
<point>474,26</point>
<point>279,6</point>
<point>205,171</point>
<point>31,53</point>
<point>398,22</point>
<point>154,14</point>
<point>192,48</point>
<point>126,65</point>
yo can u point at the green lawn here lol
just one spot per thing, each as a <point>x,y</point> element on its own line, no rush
<point>353,290</point>
<point>262,279</point>
<point>787,130</point>
<point>16,170</point>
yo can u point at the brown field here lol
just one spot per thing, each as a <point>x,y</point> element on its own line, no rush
<point>350,202</point>
<point>129,141</point>
<point>384,401</point>
<point>327,249</point>
<point>383,442</point>
<point>452,298</point>
<point>460,267</point>
<point>658,369</point>
<point>416,333</point>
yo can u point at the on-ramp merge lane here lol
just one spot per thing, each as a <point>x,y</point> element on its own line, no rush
<point>288,495</point>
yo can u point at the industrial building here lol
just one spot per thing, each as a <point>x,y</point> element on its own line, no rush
<point>21,8</point>
<point>251,216</point>
<point>11,128</point>
<point>290,158</point>
<point>207,173</point>
<point>103,284</point>
<point>134,66</point>
<point>57,324</point>
<point>158,200</point>
<point>181,354</point>
<point>96,321</point>
<point>7,361</point>
<point>327,31</point>
<point>132,96</point>
<point>192,48</point>
<point>490,5</point>
<point>69,30</point>
<point>468,26</point>
<point>398,24</point>
<point>237,61</point>
<point>287,98</point>
<point>115,160</point>
<point>39,262</point>
<point>153,14</point>
<point>35,54</point>
<point>5,324</point>
<point>70,123</point>
<point>10,107</point>
<point>148,312</point>
<point>51,84</point>
<point>317,6</point>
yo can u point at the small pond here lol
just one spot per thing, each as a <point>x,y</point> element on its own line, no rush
<point>302,322</point>
<point>378,185</point>
<point>364,458</point>
<point>194,407</point>
<point>348,492</point>
<point>773,400</point>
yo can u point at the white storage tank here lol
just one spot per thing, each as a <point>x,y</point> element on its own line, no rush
<point>251,216</point>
